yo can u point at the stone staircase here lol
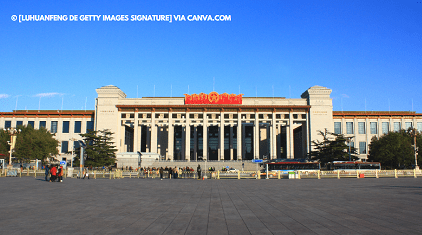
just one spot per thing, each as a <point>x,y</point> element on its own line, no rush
<point>248,165</point>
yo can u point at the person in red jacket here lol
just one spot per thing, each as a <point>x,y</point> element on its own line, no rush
<point>53,172</point>
<point>60,174</point>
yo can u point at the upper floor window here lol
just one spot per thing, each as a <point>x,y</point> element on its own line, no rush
<point>89,126</point>
<point>7,124</point>
<point>53,128</point>
<point>78,126</point>
<point>374,128</point>
<point>419,126</point>
<point>65,127</point>
<point>397,126</point>
<point>385,127</point>
<point>408,125</point>
<point>31,123</point>
<point>349,127</point>
<point>43,124</point>
<point>19,123</point>
<point>361,128</point>
<point>337,127</point>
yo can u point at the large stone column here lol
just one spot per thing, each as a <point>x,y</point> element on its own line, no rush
<point>195,142</point>
<point>273,138</point>
<point>205,137</point>
<point>171,137</point>
<point>231,142</point>
<point>135,133</point>
<point>291,136</point>
<point>153,134</point>
<point>187,141</point>
<point>239,137</point>
<point>221,135</point>
<point>256,136</point>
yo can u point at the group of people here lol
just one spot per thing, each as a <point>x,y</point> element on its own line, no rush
<point>55,172</point>
<point>172,172</point>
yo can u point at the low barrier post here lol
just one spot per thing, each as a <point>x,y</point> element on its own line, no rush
<point>338,174</point>
<point>357,174</point>
<point>238,175</point>
<point>218,175</point>
<point>298,174</point>
<point>319,174</point>
<point>20,174</point>
<point>414,173</point>
<point>376,174</point>
<point>278,174</point>
<point>395,173</point>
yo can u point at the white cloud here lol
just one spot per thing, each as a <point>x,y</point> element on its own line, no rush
<point>4,96</point>
<point>50,94</point>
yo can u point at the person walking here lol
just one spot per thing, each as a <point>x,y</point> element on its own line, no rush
<point>198,169</point>
<point>161,173</point>
<point>60,174</point>
<point>47,171</point>
<point>53,172</point>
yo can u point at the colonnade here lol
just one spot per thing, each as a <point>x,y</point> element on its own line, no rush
<point>172,137</point>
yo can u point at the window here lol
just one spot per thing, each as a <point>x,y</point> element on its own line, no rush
<point>75,145</point>
<point>362,147</point>
<point>7,124</point>
<point>123,115</point>
<point>65,127</point>
<point>385,127</point>
<point>349,127</point>
<point>89,126</point>
<point>337,127</point>
<point>19,123</point>
<point>43,124</point>
<point>361,127</point>
<point>374,128</point>
<point>408,125</point>
<point>397,126</point>
<point>78,127</point>
<point>31,123</point>
<point>65,146</point>
<point>53,126</point>
<point>419,126</point>
<point>294,116</point>
<point>303,116</point>
<point>132,115</point>
<point>286,116</point>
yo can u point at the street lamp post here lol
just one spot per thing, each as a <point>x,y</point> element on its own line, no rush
<point>415,148</point>
<point>349,140</point>
<point>13,133</point>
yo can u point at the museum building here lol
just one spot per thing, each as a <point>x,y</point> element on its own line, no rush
<point>214,126</point>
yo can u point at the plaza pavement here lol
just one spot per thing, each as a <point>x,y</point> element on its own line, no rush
<point>188,206</point>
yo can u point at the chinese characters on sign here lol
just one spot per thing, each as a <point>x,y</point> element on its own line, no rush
<point>213,98</point>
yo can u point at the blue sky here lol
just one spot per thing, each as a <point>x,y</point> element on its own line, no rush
<point>368,52</point>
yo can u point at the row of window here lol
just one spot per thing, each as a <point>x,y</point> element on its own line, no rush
<point>373,127</point>
<point>362,147</point>
<point>65,146</point>
<point>54,125</point>
<point>212,116</point>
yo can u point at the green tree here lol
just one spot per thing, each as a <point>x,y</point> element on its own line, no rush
<point>99,150</point>
<point>333,147</point>
<point>34,144</point>
<point>394,150</point>
<point>4,146</point>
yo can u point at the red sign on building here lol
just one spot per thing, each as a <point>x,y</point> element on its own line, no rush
<point>213,98</point>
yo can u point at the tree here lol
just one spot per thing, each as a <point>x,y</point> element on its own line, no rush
<point>34,144</point>
<point>99,150</point>
<point>395,150</point>
<point>332,148</point>
<point>4,146</point>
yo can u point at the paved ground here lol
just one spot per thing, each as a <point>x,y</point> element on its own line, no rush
<point>187,206</point>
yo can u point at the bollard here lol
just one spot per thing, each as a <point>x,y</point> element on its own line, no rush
<point>20,174</point>
<point>278,175</point>
<point>298,175</point>
<point>395,173</point>
<point>319,174</point>
<point>338,174</point>
<point>238,175</point>
<point>376,174</point>
<point>414,173</point>
<point>27,172</point>
<point>95,174</point>
<point>218,175</point>
<point>357,174</point>
<point>258,175</point>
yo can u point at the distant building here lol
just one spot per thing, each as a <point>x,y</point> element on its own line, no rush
<point>214,126</point>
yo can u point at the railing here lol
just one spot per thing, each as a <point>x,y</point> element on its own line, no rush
<point>118,174</point>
